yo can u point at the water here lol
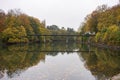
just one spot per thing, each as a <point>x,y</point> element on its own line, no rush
<point>55,62</point>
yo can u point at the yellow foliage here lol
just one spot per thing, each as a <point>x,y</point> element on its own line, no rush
<point>97,37</point>
<point>14,34</point>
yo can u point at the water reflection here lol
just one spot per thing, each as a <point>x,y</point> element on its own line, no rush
<point>28,62</point>
<point>14,61</point>
<point>103,64</point>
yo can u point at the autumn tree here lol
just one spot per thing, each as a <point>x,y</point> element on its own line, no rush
<point>2,20</point>
<point>105,22</point>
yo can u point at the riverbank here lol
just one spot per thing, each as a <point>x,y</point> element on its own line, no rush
<point>104,46</point>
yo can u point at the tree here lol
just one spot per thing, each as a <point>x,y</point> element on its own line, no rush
<point>105,22</point>
<point>14,35</point>
<point>2,20</point>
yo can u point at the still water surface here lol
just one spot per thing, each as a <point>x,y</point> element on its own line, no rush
<point>54,62</point>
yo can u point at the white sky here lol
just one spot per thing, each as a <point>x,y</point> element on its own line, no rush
<point>64,13</point>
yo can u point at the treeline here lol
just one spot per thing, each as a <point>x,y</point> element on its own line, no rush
<point>105,23</point>
<point>15,25</point>
<point>55,30</point>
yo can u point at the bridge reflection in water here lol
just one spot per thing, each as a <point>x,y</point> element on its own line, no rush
<point>66,48</point>
<point>16,64</point>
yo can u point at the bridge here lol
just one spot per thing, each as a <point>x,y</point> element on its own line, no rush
<point>67,36</point>
<point>59,35</point>
<point>68,51</point>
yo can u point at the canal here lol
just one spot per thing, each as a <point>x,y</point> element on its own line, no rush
<point>58,61</point>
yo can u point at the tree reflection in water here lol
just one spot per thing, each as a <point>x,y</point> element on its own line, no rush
<point>16,59</point>
<point>104,64</point>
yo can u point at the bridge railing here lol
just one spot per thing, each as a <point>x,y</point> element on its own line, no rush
<point>66,37</point>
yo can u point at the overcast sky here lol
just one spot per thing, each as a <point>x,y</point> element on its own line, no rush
<point>64,13</point>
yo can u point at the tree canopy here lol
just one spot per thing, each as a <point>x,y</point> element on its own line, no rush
<point>16,27</point>
<point>105,22</point>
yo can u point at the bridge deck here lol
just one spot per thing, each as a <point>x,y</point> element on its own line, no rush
<point>57,35</point>
<point>56,51</point>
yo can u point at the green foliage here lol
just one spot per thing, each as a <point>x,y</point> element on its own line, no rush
<point>97,37</point>
<point>45,31</point>
<point>14,35</point>
<point>2,20</point>
<point>55,30</point>
<point>105,22</point>
<point>16,27</point>
<point>111,36</point>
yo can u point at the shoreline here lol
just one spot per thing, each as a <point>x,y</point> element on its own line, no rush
<point>98,45</point>
<point>104,46</point>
